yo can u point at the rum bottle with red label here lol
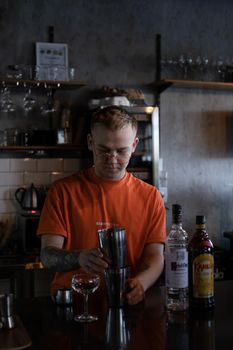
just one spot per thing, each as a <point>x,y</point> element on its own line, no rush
<point>201,267</point>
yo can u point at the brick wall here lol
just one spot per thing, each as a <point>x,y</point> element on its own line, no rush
<point>15,173</point>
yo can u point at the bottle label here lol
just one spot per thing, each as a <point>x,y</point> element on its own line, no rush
<point>203,276</point>
<point>177,268</point>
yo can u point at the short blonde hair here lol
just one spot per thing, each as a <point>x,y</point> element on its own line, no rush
<point>113,117</point>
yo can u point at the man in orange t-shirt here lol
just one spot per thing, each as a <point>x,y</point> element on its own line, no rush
<point>104,196</point>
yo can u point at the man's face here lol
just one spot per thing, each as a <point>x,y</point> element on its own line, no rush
<point>112,150</point>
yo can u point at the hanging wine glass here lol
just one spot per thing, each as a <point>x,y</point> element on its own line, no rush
<point>48,107</point>
<point>189,68</point>
<point>28,101</point>
<point>198,68</point>
<point>7,104</point>
<point>182,62</point>
<point>171,67</point>
<point>220,68</point>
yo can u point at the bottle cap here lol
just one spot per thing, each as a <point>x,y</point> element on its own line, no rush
<point>200,220</point>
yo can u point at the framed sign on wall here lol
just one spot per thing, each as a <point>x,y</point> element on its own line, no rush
<point>51,61</point>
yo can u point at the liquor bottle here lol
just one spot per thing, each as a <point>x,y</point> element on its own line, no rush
<point>176,264</point>
<point>201,267</point>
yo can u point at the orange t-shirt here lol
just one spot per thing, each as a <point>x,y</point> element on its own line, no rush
<point>78,205</point>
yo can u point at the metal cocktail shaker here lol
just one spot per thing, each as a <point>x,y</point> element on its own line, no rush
<point>6,310</point>
<point>113,245</point>
<point>117,330</point>
<point>116,281</point>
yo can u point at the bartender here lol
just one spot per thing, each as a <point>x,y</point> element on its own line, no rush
<point>103,196</point>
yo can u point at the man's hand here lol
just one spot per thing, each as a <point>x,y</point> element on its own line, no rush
<point>150,269</point>
<point>91,260</point>
<point>136,293</point>
<point>54,257</point>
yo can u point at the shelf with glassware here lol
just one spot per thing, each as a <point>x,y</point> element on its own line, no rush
<point>34,140</point>
<point>27,142</point>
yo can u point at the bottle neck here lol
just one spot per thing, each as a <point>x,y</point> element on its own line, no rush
<point>177,224</point>
<point>201,227</point>
<point>201,231</point>
<point>177,219</point>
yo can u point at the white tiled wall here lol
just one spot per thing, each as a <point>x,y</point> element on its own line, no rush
<point>15,173</point>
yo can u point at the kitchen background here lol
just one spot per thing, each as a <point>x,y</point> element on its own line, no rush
<point>113,43</point>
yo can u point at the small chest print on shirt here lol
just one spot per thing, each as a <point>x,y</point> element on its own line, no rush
<point>103,225</point>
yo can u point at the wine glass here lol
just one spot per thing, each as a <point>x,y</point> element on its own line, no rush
<point>184,63</point>
<point>7,104</point>
<point>48,107</point>
<point>28,100</point>
<point>220,68</point>
<point>85,284</point>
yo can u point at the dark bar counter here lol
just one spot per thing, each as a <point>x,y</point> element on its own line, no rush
<point>19,269</point>
<point>144,326</point>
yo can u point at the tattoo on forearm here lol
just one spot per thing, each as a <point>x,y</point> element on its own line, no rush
<point>59,260</point>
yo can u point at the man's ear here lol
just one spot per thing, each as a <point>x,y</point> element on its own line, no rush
<point>136,140</point>
<point>89,142</point>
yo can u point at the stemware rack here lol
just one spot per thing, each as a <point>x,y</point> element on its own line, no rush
<point>158,86</point>
<point>42,151</point>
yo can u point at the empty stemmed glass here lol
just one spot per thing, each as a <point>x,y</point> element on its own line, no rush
<point>85,283</point>
<point>28,100</point>
<point>182,63</point>
<point>186,64</point>
<point>48,107</point>
<point>7,104</point>
<point>220,67</point>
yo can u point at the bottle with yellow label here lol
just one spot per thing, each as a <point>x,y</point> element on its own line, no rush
<point>201,267</point>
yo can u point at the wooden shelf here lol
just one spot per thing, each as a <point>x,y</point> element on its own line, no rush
<point>164,84</point>
<point>42,147</point>
<point>57,149</point>
<point>70,151</point>
<point>71,84</point>
<point>202,84</point>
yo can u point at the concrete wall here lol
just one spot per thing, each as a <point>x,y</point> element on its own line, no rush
<point>196,147</point>
<point>113,43</point>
